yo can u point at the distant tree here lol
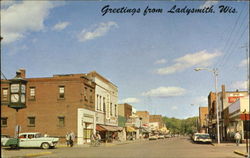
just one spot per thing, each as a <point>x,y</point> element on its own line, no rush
<point>181,126</point>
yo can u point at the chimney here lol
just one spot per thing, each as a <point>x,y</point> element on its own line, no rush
<point>223,91</point>
<point>23,73</point>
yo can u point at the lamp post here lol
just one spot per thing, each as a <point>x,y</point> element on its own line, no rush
<point>17,96</point>
<point>215,72</point>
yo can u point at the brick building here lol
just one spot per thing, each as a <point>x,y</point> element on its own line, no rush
<point>55,105</point>
<point>156,118</point>
<point>125,110</point>
<point>203,121</point>
<point>145,117</point>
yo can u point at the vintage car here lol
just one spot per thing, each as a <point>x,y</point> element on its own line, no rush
<point>202,138</point>
<point>4,139</point>
<point>153,137</point>
<point>32,139</point>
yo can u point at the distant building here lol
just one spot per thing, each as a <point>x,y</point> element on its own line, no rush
<point>145,117</point>
<point>203,119</point>
<point>157,118</point>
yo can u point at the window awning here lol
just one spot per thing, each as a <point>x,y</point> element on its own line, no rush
<point>130,129</point>
<point>100,128</point>
<point>110,128</point>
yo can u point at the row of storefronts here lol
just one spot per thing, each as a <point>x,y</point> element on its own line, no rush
<point>79,103</point>
<point>233,114</point>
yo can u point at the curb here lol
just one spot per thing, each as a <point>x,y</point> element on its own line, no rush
<point>37,154</point>
<point>240,153</point>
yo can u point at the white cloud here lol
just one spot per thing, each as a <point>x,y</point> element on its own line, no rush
<point>239,85</point>
<point>20,18</point>
<point>161,61</point>
<point>202,58</point>
<point>97,31</point>
<point>243,63</point>
<point>174,108</point>
<point>164,92</point>
<point>200,101</point>
<point>60,26</point>
<point>130,100</point>
<point>208,4</point>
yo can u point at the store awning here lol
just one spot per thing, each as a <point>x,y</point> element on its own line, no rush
<point>109,128</point>
<point>100,128</point>
<point>144,130</point>
<point>130,129</point>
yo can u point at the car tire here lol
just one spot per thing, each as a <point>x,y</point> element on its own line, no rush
<point>45,145</point>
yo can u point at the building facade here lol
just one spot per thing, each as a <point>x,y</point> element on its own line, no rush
<point>203,119</point>
<point>64,103</point>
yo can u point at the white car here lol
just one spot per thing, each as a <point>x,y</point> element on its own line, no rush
<point>161,136</point>
<point>32,139</point>
<point>202,137</point>
<point>153,137</point>
<point>36,140</point>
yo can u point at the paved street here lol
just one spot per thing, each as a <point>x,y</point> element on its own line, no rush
<point>180,147</point>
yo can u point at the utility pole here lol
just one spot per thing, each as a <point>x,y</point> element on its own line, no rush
<point>248,89</point>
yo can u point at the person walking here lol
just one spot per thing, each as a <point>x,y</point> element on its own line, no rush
<point>71,139</point>
<point>237,138</point>
<point>98,137</point>
<point>67,137</point>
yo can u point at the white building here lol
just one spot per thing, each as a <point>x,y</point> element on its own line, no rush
<point>106,98</point>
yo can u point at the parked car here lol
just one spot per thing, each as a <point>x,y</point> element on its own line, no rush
<point>153,137</point>
<point>204,138</point>
<point>32,139</point>
<point>195,136</point>
<point>161,136</point>
<point>4,139</point>
<point>167,136</point>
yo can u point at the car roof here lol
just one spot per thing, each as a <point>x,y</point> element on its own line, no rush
<point>30,133</point>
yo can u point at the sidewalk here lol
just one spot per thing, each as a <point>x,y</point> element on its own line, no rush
<point>241,149</point>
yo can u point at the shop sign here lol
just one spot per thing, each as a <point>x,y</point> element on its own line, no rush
<point>233,99</point>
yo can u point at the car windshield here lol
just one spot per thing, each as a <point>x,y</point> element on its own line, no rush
<point>204,136</point>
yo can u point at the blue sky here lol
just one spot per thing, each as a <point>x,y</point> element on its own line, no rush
<point>150,58</point>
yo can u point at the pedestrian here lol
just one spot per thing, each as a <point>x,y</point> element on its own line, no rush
<point>71,139</point>
<point>237,138</point>
<point>67,137</point>
<point>98,137</point>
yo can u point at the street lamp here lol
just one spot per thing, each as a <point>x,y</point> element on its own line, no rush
<point>215,72</point>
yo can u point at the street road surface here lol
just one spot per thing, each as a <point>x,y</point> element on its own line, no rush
<point>180,147</point>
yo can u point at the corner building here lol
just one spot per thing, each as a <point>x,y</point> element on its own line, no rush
<point>55,105</point>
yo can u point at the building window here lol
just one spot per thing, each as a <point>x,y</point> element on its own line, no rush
<point>115,110</point>
<point>91,96</point>
<point>61,92</point>
<point>4,121</point>
<point>97,101</point>
<point>61,121</point>
<point>104,107</point>
<point>5,94</point>
<point>85,93</point>
<point>100,104</point>
<point>111,109</point>
<point>31,121</point>
<point>32,93</point>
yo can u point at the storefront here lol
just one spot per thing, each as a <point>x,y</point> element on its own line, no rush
<point>108,133</point>
<point>85,125</point>
<point>130,133</point>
